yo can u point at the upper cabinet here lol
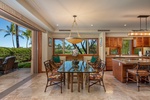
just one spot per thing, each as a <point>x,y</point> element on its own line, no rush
<point>113,42</point>
<point>141,42</point>
<point>138,42</point>
<point>120,42</point>
<point>145,41</point>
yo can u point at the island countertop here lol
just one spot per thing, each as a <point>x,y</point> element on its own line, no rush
<point>131,60</point>
<point>120,65</point>
<point>127,56</point>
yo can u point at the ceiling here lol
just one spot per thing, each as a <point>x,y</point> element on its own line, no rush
<point>113,15</point>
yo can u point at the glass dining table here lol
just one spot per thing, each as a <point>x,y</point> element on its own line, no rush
<point>71,67</point>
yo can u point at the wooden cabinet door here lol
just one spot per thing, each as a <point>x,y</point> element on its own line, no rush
<point>111,40</point>
<point>149,41</point>
<point>115,42</point>
<point>145,41</point>
<point>120,42</point>
<point>107,42</point>
<point>108,63</point>
<point>138,42</point>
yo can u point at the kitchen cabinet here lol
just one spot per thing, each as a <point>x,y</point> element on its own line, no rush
<point>138,42</point>
<point>113,41</point>
<point>145,41</point>
<point>119,42</point>
<point>109,63</point>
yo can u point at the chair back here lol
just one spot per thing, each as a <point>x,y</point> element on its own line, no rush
<point>48,67</point>
<point>56,58</point>
<point>100,67</point>
<point>9,62</point>
<point>143,66</point>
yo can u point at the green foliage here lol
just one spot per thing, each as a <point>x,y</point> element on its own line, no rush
<point>21,54</point>
<point>125,48</point>
<point>114,51</point>
<point>62,46</point>
<point>24,65</point>
<point>136,50</point>
<point>4,52</point>
<point>58,51</point>
<point>27,34</point>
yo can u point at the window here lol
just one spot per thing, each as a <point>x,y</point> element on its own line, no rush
<point>58,46</point>
<point>126,47</point>
<point>87,46</point>
<point>92,46</point>
<point>68,47</point>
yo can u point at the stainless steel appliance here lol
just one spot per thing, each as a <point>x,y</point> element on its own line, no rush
<point>146,51</point>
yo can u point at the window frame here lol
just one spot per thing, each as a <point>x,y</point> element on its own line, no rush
<point>79,54</point>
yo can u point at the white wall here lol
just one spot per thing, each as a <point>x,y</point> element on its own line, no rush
<point>117,34</point>
<point>46,50</point>
<point>83,35</point>
<point>50,49</point>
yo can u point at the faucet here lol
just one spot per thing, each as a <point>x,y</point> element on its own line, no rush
<point>128,52</point>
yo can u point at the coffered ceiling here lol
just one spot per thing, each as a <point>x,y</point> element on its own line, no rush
<point>113,15</point>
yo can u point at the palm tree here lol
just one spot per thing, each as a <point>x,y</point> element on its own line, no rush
<point>27,34</point>
<point>18,35</point>
<point>10,31</point>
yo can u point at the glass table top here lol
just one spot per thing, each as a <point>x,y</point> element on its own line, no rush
<point>71,67</point>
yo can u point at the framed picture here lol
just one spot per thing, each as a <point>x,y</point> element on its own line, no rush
<point>49,41</point>
<point>100,42</point>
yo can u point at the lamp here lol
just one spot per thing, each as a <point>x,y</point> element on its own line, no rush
<point>74,40</point>
<point>141,32</point>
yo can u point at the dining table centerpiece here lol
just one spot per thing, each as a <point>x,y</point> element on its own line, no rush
<point>75,53</point>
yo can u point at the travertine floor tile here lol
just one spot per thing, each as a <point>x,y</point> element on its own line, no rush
<point>115,90</point>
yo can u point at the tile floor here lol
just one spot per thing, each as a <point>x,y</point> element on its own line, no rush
<point>115,90</point>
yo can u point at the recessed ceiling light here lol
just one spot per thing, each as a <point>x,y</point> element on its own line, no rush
<point>91,24</point>
<point>125,24</point>
<point>57,24</point>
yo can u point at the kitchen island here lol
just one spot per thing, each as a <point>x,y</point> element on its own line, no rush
<point>120,65</point>
<point>110,57</point>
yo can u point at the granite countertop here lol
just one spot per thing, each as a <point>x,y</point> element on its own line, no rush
<point>131,60</point>
<point>127,56</point>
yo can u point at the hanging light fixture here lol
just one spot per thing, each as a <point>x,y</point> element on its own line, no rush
<point>141,32</point>
<point>74,40</point>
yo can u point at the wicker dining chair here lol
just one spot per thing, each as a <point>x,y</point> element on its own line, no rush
<point>140,72</point>
<point>97,77</point>
<point>57,61</point>
<point>53,77</point>
<point>93,61</point>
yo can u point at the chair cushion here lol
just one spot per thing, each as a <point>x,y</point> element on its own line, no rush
<point>55,72</point>
<point>140,72</point>
<point>94,76</point>
<point>55,76</point>
<point>56,59</point>
<point>93,59</point>
<point>6,59</point>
